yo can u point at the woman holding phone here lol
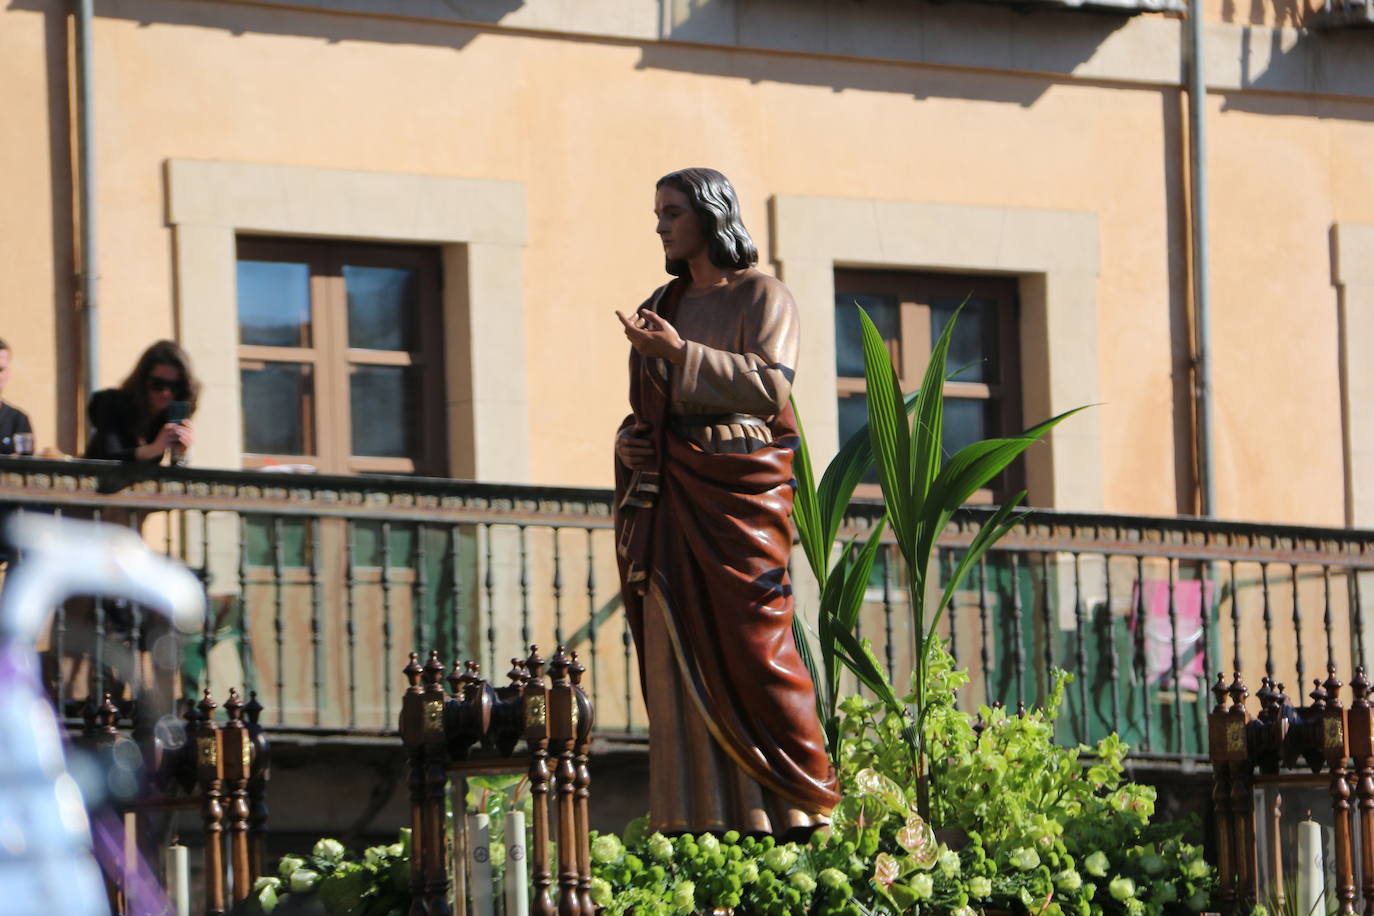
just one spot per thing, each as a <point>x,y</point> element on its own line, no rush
<point>148,416</point>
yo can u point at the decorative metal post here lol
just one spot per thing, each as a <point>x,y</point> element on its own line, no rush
<point>238,767</point>
<point>1218,723</point>
<point>537,736</point>
<point>582,786</point>
<point>1335,747</point>
<point>563,735</point>
<point>210,775</point>
<point>435,791</point>
<point>257,788</point>
<point>412,726</point>
<point>1242,773</point>
<point>1361,738</point>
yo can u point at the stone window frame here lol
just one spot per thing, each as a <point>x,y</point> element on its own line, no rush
<point>480,228</point>
<point>1353,277</point>
<point>1055,256</point>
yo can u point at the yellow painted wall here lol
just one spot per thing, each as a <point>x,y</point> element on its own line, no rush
<point>588,124</point>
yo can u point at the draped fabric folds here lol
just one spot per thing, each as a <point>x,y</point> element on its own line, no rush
<point>704,539</point>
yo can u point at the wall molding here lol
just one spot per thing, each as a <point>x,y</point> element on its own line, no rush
<point>1053,253</point>
<point>480,227</point>
<point>1353,276</point>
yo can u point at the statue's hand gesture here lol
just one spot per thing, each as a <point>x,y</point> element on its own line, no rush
<point>633,446</point>
<point>652,335</point>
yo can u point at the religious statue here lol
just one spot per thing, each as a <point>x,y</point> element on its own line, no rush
<point>704,492</point>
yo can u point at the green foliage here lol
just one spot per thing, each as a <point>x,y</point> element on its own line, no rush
<point>1040,829</point>
<point>1023,825</point>
<point>921,492</point>
<point>659,876</point>
<point>378,884</point>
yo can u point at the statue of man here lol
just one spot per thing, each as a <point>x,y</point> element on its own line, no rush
<point>704,492</point>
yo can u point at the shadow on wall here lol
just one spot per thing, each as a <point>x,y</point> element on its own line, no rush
<point>870,46</point>
<point>439,23</point>
<point>1280,14</point>
<point>879,38</point>
<point>1279,72</point>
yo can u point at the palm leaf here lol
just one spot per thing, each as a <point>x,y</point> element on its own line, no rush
<point>806,511</point>
<point>990,533</point>
<point>856,581</point>
<point>971,468</point>
<point>845,472</point>
<point>809,660</point>
<point>888,430</point>
<point>859,658</point>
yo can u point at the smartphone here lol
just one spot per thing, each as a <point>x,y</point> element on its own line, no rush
<point>177,411</point>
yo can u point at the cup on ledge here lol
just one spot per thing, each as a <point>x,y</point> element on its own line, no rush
<point>23,444</point>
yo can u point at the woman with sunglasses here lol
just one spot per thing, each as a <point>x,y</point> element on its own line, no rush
<point>130,423</point>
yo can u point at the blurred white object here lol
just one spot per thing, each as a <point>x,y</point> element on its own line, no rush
<point>45,844</point>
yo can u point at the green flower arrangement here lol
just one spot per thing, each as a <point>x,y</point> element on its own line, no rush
<point>376,885</point>
<point>649,874</point>
<point>1025,826</point>
<point>1038,829</point>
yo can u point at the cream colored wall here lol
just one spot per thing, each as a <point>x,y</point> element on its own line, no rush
<point>33,276</point>
<point>587,124</point>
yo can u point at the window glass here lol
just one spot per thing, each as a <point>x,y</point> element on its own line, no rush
<point>379,399</point>
<point>849,341</point>
<point>277,399</point>
<point>973,346</point>
<point>853,415</point>
<point>274,304</point>
<point>965,423</point>
<point>381,306</point>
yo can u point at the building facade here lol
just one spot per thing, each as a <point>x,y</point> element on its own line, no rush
<point>507,151</point>
<point>392,234</point>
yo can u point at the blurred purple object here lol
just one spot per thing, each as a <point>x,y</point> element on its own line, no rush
<point>45,840</point>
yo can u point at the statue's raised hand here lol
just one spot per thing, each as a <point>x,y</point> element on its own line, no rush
<point>652,335</point>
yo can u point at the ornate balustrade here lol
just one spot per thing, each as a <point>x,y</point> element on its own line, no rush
<point>318,583</point>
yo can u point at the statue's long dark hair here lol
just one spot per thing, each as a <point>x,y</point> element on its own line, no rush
<point>713,198</point>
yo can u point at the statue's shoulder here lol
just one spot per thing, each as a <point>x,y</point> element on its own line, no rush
<point>656,297</point>
<point>763,289</point>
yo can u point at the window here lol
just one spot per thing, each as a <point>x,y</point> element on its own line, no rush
<point>340,356</point>
<point>911,310</point>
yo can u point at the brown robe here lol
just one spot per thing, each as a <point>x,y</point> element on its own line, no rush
<point>704,536</point>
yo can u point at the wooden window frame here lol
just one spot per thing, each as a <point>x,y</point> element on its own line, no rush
<point>914,292</point>
<point>328,420</point>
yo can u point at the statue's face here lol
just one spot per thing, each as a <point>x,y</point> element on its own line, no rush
<point>679,226</point>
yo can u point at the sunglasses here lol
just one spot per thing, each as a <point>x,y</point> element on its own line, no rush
<point>162,384</point>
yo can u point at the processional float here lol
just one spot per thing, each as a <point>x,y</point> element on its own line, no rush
<point>221,769</point>
<point>475,728</point>
<point>1269,771</point>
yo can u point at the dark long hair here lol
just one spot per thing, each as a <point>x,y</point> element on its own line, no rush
<point>162,353</point>
<point>713,199</point>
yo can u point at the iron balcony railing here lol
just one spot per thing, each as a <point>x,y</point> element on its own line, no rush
<point>319,587</point>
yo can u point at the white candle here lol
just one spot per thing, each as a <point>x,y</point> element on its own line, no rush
<point>1311,873</point>
<point>517,881</point>
<point>176,866</point>
<point>479,865</point>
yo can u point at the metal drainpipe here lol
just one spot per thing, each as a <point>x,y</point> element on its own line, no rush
<point>1197,160</point>
<point>85,155</point>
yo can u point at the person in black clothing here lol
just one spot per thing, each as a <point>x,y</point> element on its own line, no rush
<point>12,419</point>
<point>129,423</point>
